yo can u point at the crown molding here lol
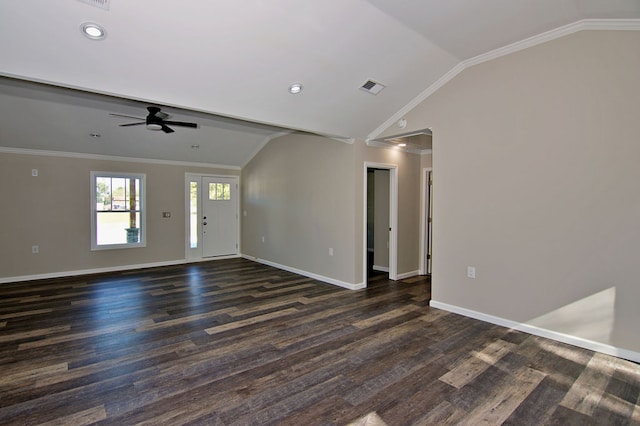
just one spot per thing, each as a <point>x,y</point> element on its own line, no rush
<point>348,141</point>
<point>43,153</point>
<point>585,24</point>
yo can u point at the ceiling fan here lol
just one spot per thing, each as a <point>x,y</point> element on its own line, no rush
<point>156,120</point>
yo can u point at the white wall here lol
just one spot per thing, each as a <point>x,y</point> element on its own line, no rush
<point>536,177</point>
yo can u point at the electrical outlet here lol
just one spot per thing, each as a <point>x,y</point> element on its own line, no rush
<point>471,271</point>
<point>263,238</point>
<point>35,249</point>
<point>330,251</point>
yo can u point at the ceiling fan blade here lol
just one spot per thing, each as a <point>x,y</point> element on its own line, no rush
<point>132,124</point>
<point>126,116</point>
<point>182,124</point>
<point>167,129</point>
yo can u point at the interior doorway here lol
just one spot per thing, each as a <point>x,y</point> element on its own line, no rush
<point>380,233</point>
<point>426,244</point>
<point>377,221</point>
<point>212,220</point>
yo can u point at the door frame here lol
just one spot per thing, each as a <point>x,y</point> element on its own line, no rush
<point>393,219</point>
<point>190,254</point>
<point>425,208</point>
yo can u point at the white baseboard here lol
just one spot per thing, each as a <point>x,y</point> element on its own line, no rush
<point>407,275</point>
<point>89,271</point>
<point>62,274</point>
<point>380,268</point>
<point>328,280</point>
<point>542,332</point>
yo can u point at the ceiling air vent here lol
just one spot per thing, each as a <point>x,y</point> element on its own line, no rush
<point>102,4</point>
<point>372,87</point>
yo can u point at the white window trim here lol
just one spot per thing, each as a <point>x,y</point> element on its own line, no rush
<point>143,211</point>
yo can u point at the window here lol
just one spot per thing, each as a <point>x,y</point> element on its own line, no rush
<point>117,214</point>
<point>219,191</point>
<point>193,214</point>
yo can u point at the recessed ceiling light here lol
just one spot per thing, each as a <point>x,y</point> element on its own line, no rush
<point>402,145</point>
<point>295,88</point>
<point>93,31</point>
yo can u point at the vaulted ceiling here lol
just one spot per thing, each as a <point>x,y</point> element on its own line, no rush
<point>228,65</point>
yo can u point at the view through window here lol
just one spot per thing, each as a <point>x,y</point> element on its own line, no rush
<point>117,217</point>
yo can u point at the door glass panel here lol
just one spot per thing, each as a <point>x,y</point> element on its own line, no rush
<point>193,214</point>
<point>219,191</point>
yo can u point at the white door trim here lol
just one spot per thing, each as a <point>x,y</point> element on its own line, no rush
<point>191,255</point>
<point>393,219</point>
<point>424,214</point>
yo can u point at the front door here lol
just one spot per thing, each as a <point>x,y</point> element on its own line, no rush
<point>212,216</point>
<point>219,216</point>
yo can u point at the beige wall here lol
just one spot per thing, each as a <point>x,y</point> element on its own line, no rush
<point>408,170</point>
<point>304,194</point>
<point>297,193</point>
<point>426,161</point>
<point>52,211</point>
<point>536,185</point>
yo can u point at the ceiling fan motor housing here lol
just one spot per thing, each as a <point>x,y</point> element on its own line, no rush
<point>153,121</point>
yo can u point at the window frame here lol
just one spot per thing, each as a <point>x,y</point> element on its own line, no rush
<point>142,210</point>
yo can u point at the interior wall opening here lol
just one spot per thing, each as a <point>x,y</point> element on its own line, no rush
<point>380,220</point>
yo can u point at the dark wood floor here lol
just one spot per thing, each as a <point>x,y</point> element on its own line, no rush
<point>233,342</point>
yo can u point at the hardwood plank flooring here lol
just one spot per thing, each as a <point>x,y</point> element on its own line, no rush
<point>233,342</point>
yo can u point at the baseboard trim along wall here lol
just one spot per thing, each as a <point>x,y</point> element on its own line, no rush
<point>398,276</point>
<point>537,331</point>
<point>62,274</point>
<point>407,275</point>
<point>327,280</point>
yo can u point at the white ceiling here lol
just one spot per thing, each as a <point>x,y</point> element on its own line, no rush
<point>201,59</point>
<point>47,118</point>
